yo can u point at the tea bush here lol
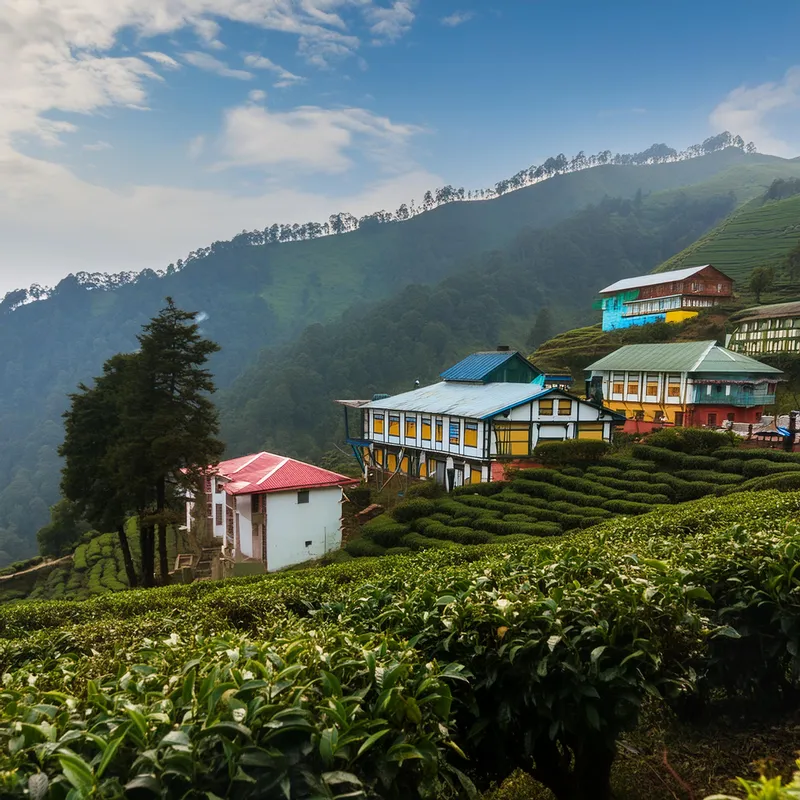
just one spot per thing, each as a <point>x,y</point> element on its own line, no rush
<point>572,452</point>
<point>419,676</point>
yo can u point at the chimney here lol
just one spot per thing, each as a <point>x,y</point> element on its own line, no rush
<point>502,348</point>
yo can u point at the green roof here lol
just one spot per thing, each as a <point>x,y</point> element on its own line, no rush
<point>680,357</point>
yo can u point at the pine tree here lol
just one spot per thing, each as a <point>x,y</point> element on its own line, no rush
<point>143,435</point>
<point>542,329</point>
<point>176,421</point>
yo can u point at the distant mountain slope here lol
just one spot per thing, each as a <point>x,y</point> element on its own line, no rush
<point>761,233</point>
<point>262,295</point>
<point>283,402</point>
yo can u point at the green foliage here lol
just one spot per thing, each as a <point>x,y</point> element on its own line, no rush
<point>572,452</point>
<point>411,509</point>
<point>419,676</point>
<point>695,441</point>
<point>64,530</point>
<point>430,490</point>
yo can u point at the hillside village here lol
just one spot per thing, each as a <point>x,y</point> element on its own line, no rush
<point>667,432</point>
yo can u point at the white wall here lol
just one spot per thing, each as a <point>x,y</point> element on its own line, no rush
<point>291,524</point>
<point>244,511</point>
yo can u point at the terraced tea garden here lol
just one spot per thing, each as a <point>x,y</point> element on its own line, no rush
<point>550,502</point>
<point>421,676</point>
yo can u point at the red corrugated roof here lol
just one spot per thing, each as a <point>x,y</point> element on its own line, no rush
<point>267,472</point>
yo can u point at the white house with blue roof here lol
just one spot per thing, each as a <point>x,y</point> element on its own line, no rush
<point>490,408</point>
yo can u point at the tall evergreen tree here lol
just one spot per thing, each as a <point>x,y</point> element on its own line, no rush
<point>542,329</point>
<point>176,421</point>
<point>143,435</point>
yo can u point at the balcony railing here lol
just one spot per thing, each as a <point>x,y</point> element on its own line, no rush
<point>738,397</point>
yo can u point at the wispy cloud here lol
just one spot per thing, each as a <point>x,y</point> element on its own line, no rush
<point>457,18</point>
<point>391,22</point>
<point>751,112</point>
<point>284,77</point>
<point>207,62</point>
<point>257,95</point>
<point>99,145</point>
<point>163,59</point>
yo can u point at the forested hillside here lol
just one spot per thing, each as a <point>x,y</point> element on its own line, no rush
<point>283,402</point>
<point>257,296</point>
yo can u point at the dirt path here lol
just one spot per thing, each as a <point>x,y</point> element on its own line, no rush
<point>44,564</point>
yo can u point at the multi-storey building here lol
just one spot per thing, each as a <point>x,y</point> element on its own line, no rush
<point>683,383</point>
<point>271,509</point>
<point>663,297</point>
<point>490,408</point>
<point>764,330</point>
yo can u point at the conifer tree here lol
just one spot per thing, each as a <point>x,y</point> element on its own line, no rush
<point>143,435</point>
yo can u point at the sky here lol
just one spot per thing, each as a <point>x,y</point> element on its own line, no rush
<point>135,131</point>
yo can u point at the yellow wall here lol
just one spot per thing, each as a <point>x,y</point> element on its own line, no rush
<point>679,315</point>
<point>630,409</point>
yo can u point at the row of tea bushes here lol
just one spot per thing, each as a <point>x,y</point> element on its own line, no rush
<point>423,676</point>
<point>548,502</point>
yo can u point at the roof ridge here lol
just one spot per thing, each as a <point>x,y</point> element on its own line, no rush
<point>702,358</point>
<point>272,471</point>
<point>249,461</point>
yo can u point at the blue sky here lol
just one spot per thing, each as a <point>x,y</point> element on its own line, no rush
<point>133,132</point>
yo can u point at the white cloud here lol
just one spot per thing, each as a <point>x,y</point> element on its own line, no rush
<point>284,77</point>
<point>207,30</point>
<point>99,145</point>
<point>257,95</point>
<point>163,59</point>
<point>751,112</point>
<point>457,18</point>
<point>196,146</point>
<point>37,195</point>
<point>391,22</point>
<point>310,138</point>
<point>207,62</point>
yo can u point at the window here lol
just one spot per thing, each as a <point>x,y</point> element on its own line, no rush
<point>218,514</point>
<point>439,430</point>
<point>220,488</point>
<point>475,475</point>
<point>639,415</point>
<point>658,416</point>
<point>679,419</point>
<point>546,408</point>
<point>652,388</point>
<point>308,542</point>
<point>732,417</point>
<point>617,388</point>
<point>426,428</point>
<point>391,461</point>
<point>411,427</point>
<point>455,432</point>
<point>394,424</point>
<point>564,408</point>
<point>590,430</point>
<point>255,503</point>
<point>513,438</point>
<point>303,496</point>
<point>633,388</point>
<point>674,390</point>
<point>378,455</point>
<point>377,423</point>
<point>712,420</point>
<point>471,434</point>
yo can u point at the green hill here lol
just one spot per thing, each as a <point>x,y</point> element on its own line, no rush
<point>283,402</point>
<point>257,296</point>
<point>761,233</point>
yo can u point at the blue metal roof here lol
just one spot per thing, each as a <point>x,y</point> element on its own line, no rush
<point>477,366</point>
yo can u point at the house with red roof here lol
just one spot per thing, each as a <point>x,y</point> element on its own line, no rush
<point>272,509</point>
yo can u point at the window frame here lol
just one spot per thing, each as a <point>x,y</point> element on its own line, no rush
<point>411,426</point>
<point>470,428</point>
<point>564,403</point>
<point>303,497</point>
<point>378,419</point>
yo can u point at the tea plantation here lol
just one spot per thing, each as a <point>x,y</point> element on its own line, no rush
<point>550,502</point>
<point>427,675</point>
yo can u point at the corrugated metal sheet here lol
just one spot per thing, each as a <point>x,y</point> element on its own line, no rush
<point>477,365</point>
<point>268,472</point>
<point>462,399</point>
<point>680,357</point>
<point>768,312</point>
<point>653,280</point>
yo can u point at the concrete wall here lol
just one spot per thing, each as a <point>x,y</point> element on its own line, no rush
<point>297,532</point>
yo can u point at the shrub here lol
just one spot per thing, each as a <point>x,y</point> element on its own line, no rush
<point>758,467</point>
<point>659,455</point>
<point>430,490</point>
<point>398,551</point>
<point>411,509</point>
<point>708,476</point>
<point>784,482</point>
<point>608,472</point>
<point>696,441</point>
<point>751,453</point>
<point>458,534</point>
<point>648,498</point>
<point>416,541</point>
<point>700,462</point>
<point>386,535</point>
<point>486,489</point>
<point>360,548</point>
<point>572,452</point>
<point>625,463</point>
<point>626,507</point>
